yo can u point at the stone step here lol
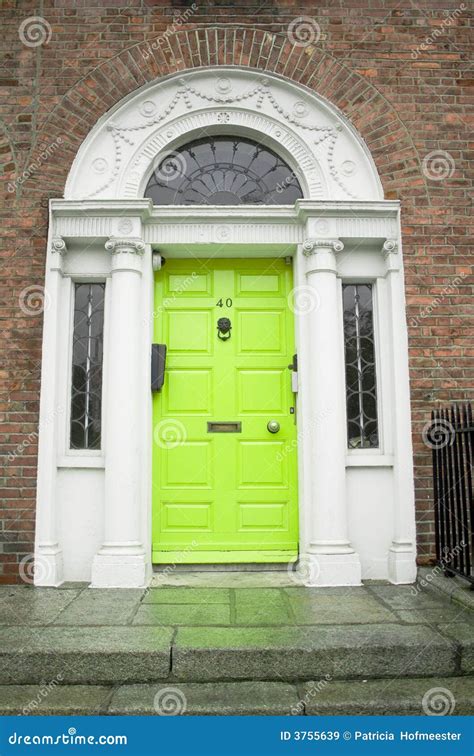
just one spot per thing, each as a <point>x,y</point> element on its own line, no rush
<point>134,654</point>
<point>388,696</point>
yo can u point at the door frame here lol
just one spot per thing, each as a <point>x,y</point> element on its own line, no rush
<point>361,241</point>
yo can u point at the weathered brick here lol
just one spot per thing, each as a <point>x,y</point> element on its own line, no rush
<point>402,87</point>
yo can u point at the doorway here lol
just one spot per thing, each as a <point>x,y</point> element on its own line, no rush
<point>224,422</point>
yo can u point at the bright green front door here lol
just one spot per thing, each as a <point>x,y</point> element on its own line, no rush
<point>224,486</point>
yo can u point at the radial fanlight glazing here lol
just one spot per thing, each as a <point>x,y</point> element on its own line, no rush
<point>223,170</point>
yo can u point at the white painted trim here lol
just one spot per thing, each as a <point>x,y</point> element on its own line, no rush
<point>365,228</point>
<point>330,157</point>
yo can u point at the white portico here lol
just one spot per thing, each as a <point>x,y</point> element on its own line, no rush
<point>356,507</point>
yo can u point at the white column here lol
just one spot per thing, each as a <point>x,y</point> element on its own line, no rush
<point>401,557</point>
<point>330,559</point>
<point>48,570</point>
<point>121,560</point>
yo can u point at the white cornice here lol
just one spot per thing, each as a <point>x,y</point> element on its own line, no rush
<point>104,207</point>
<point>237,224</point>
<point>305,209</point>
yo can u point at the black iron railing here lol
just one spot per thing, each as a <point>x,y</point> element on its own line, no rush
<point>451,437</point>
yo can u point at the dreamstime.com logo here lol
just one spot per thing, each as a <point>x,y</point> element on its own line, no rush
<point>35,31</point>
<point>47,151</point>
<point>439,31</point>
<point>42,693</point>
<point>451,288</point>
<point>34,299</point>
<point>178,21</point>
<point>438,165</point>
<point>304,31</point>
<point>438,702</point>
<point>32,438</point>
<point>303,299</point>
<point>170,702</point>
<point>169,433</point>
<point>67,738</point>
<point>438,434</point>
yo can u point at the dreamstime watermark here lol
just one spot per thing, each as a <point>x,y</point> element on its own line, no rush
<point>170,702</point>
<point>181,287</point>
<point>169,433</point>
<point>35,31</point>
<point>437,434</point>
<point>182,557</point>
<point>34,299</point>
<point>438,702</point>
<point>32,437</point>
<point>439,31</point>
<point>438,165</point>
<point>67,738</point>
<point>312,690</point>
<point>305,572</point>
<point>292,445</point>
<point>303,299</point>
<point>169,166</point>
<point>449,289</point>
<point>35,569</point>
<point>178,21</point>
<point>43,692</point>
<point>292,179</point>
<point>444,562</point>
<point>46,153</point>
<point>304,31</point>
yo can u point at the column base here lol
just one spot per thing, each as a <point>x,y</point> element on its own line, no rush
<point>120,569</point>
<point>48,567</point>
<point>329,570</point>
<point>401,563</point>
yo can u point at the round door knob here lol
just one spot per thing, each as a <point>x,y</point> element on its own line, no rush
<point>273,426</point>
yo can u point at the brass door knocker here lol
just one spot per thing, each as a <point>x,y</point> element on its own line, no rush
<point>224,327</point>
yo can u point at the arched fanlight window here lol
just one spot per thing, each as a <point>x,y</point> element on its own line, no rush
<point>223,170</point>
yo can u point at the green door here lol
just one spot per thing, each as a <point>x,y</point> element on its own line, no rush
<point>224,486</point>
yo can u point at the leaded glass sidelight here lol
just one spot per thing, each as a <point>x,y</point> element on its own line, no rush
<point>223,170</point>
<point>87,351</point>
<point>361,384</point>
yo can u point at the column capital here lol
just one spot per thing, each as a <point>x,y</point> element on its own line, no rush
<point>58,245</point>
<point>58,250</point>
<point>389,247</point>
<point>312,246</point>
<point>118,244</point>
<point>390,253</point>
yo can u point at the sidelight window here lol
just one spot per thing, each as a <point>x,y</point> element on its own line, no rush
<point>361,384</point>
<point>87,352</point>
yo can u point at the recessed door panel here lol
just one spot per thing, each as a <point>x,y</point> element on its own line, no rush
<point>261,463</point>
<point>185,516</point>
<point>190,392</point>
<point>188,331</point>
<point>188,281</point>
<point>258,284</point>
<point>187,464</point>
<point>224,486</point>
<point>261,392</point>
<point>261,331</point>
<point>263,516</point>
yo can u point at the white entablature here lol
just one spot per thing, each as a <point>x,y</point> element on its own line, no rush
<point>326,154</point>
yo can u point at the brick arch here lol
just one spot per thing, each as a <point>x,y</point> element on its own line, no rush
<point>376,119</point>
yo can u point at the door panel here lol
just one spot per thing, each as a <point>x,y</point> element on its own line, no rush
<point>230,496</point>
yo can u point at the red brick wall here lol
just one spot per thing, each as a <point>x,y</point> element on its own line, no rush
<point>397,69</point>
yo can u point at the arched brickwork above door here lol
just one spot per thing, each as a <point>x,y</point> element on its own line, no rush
<point>375,118</point>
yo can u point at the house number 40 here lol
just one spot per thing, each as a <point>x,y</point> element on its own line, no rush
<point>228,303</point>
